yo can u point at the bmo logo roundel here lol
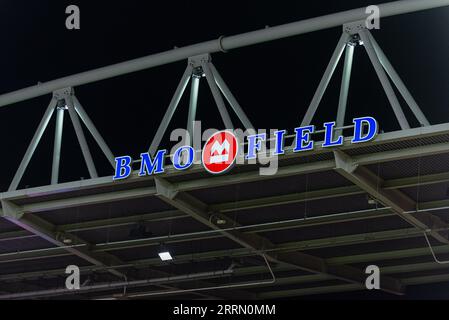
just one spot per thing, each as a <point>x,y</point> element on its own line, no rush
<point>220,152</point>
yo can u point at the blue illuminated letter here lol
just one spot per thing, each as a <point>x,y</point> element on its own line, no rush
<point>177,158</point>
<point>149,166</point>
<point>303,142</point>
<point>279,142</point>
<point>254,145</point>
<point>329,129</point>
<point>358,131</point>
<point>122,167</point>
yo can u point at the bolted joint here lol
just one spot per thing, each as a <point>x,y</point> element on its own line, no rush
<point>344,162</point>
<point>10,210</point>
<point>198,73</point>
<point>355,41</point>
<point>61,97</point>
<point>62,94</point>
<point>197,61</point>
<point>354,28</point>
<point>165,189</point>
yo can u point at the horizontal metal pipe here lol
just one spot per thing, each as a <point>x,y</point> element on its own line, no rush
<point>221,44</point>
<point>108,286</point>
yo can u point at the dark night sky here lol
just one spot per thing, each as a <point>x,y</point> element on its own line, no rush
<point>273,82</point>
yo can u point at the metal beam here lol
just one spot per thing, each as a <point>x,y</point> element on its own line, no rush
<point>328,73</point>
<point>395,199</point>
<point>411,281</point>
<point>289,247</point>
<point>344,90</point>
<point>57,146</point>
<point>396,269</point>
<point>46,230</point>
<point>217,95</point>
<point>171,110</point>
<point>313,195</point>
<point>218,181</point>
<point>88,200</point>
<point>222,181</point>
<point>101,224</point>
<point>220,45</point>
<point>193,105</point>
<point>230,97</point>
<point>399,83</point>
<point>387,270</point>
<point>33,145</point>
<point>259,244</point>
<point>397,109</point>
<point>121,284</point>
<point>93,130</point>
<point>240,205</point>
<point>302,245</point>
<point>355,259</point>
<point>313,244</point>
<point>81,138</point>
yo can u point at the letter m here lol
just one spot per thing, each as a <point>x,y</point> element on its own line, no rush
<point>152,166</point>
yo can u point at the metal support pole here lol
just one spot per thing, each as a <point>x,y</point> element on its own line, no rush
<point>326,79</point>
<point>346,79</point>
<point>57,145</point>
<point>193,106</point>
<point>384,80</point>
<point>171,110</point>
<point>230,97</point>
<point>217,95</point>
<point>32,147</point>
<point>93,130</point>
<point>398,82</point>
<point>81,138</point>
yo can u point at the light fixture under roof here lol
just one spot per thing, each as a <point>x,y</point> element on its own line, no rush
<point>165,256</point>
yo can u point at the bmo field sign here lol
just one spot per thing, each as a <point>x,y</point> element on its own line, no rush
<point>221,149</point>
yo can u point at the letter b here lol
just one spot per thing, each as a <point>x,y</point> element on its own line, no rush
<point>122,168</point>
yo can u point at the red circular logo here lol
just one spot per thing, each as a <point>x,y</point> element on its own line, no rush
<point>220,152</point>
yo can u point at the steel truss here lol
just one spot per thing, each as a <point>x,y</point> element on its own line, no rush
<point>62,101</point>
<point>197,68</point>
<point>357,34</point>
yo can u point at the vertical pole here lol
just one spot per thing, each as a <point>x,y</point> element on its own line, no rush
<point>230,97</point>
<point>93,130</point>
<point>32,147</point>
<point>325,79</point>
<point>193,106</point>
<point>399,83</point>
<point>57,146</point>
<point>81,138</point>
<point>346,79</point>
<point>217,96</point>
<point>384,80</point>
<point>171,110</point>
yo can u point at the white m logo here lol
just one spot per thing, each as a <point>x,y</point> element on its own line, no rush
<point>218,149</point>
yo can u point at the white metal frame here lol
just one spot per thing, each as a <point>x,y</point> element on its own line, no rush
<point>198,67</point>
<point>64,100</point>
<point>354,34</point>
